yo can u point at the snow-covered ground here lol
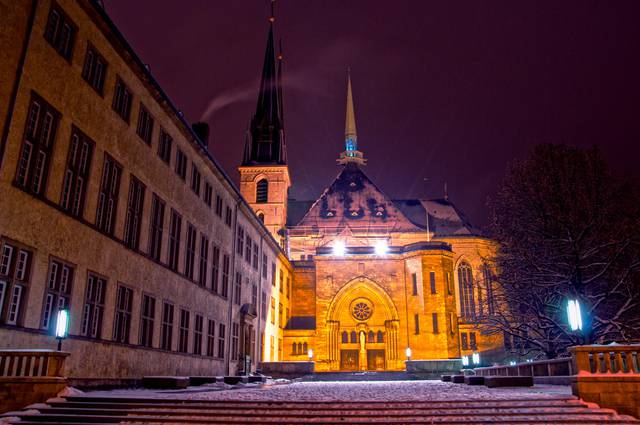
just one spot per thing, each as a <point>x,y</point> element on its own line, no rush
<point>351,391</point>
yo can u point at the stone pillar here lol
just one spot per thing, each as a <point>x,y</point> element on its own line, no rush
<point>392,342</point>
<point>332,342</point>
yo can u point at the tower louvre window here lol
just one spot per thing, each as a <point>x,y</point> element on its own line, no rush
<point>262,191</point>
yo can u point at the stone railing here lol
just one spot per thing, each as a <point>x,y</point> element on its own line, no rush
<point>542,368</point>
<point>15,363</point>
<point>606,359</point>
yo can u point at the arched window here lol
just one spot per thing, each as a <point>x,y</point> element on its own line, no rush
<point>305,348</point>
<point>262,191</point>
<point>293,349</point>
<point>380,336</point>
<point>488,283</point>
<point>345,337</point>
<point>372,337</point>
<point>261,217</point>
<point>354,337</point>
<point>467,300</point>
<point>299,348</point>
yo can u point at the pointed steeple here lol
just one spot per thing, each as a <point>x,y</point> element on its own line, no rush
<point>266,141</point>
<point>351,152</point>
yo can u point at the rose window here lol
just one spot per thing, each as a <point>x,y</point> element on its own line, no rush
<point>361,311</point>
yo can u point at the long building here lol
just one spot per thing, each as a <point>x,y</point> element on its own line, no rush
<point>113,208</point>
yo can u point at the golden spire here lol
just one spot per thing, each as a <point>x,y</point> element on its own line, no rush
<point>351,153</point>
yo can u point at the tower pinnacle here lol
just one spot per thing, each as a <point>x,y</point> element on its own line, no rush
<point>351,152</point>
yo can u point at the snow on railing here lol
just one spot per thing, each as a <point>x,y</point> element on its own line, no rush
<point>606,359</point>
<point>14,363</point>
<point>553,367</point>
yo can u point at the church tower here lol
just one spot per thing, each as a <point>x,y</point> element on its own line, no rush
<point>351,152</point>
<point>264,174</point>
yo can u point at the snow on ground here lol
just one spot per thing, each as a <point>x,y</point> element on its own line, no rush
<point>350,391</point>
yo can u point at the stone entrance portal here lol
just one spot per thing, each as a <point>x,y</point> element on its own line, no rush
<point>375,360</point>
<point>349,360</point>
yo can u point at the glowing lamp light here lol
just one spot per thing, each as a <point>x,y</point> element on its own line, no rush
<point>339,248</point>
<point>475,358</point>
<point>465,360</point>
<point>310,353</point>
<point>62,326</point>
<point>381,248</point>
<point>575,316</point>
<point>408,353</point>
<point>512,363</point>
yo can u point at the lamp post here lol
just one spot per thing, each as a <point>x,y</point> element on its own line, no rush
<point>465,361</point>
<point>475,358</point>
<point>408,353</point>
<point>62,326</point>
<point>310,354</point>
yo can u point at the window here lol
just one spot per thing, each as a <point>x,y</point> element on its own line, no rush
<point>353,337</point>
<point>464,342</point>
<point>263,305</point>
<point>190,252</point>
<point>254,295</point>
<point>235,334</point>
<point>122,100</point>
<point>262,191</point>
<point>108,196</point>
<point>281,281</point>
<point>166,336</point>
<point>240,241</point>
<point>432,281</point>
<point>288,287</point>
<point>225,276</point>
<point>76,177</point>
<point>273,311</point>
<point>198,328</point>
<point>145,124</point>
<point>273,274</point>
<point>60,32</point>
<point>228,220</point>
<point>380,337</point>
<point>237,289</point>
<point>255,256</point>
<point>447,276</point>
<point>218,206</point>
<point>416,322</point>
<point>175,228</point>
<point>264,266</point>
<point>133,220</point>
<point>164,146</point>
<point>215,267</point>
<point>247,252</point>
<point>261,217</point>
<point>452,322</point>
<point>211,338</point>
<point>122,323</point>
<point>465,281</point>
<point>95,68</point>
<point>181,164</point>
<point>15,272</point>
<point>472,341</point>
<point>57,292</point>
<point>488,281</point>
<point>147,318</point>
<point>280,320</point>
<point>221,332</point>
<point>414,283</point>
<point>434,319</point>
<point>204,260</point>
<point>37,145</point>
<point>195,180</point>
<point>93,306</point>
<point>156,227</point>
<point>272,347</point>
<point>371,337</point>
<point>183,337</point>
<point>345,337</point>
<point>208,194</point>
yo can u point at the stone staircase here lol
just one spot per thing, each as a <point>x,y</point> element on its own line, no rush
<point>130,410</point>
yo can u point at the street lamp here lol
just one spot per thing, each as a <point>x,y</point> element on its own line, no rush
<point>62,326</point>
<point>465,360</point>
<point>575,316</point>
<point>310,354</point>
<point>381,248</point>
<point>408,353</point>
<point>475,358</point>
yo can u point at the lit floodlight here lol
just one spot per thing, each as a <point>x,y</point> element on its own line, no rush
<point>62,326</point>
<point>381,248</point>
<point>512,363</point>
<point>408,353</point>
<point>465,360</point>
<point>475,358</point>
<point>575,316</point>
<point>310,353</point>
<point>339,248</point>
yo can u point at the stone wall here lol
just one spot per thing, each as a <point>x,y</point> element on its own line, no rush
<point>287,370</point>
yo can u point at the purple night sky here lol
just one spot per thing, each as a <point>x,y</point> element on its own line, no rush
<point>444,91</point>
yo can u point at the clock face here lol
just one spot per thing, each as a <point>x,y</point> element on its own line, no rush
<point>361,311</point>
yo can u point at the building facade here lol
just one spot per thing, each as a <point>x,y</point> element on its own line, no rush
<point>112,207</point>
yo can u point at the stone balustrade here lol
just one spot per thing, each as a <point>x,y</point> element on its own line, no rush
<point>606,359</point>
<point>554,371</point>
<point>30,376</point>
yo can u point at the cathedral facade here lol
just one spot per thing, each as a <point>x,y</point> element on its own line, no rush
<point>376,281</point>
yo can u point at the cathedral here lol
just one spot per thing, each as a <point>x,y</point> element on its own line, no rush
<point>376,281</point>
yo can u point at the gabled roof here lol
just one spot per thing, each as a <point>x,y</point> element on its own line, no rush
<point>353,200</point>
<point>445,219</point>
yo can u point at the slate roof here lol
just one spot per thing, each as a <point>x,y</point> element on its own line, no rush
<point>354,200</point>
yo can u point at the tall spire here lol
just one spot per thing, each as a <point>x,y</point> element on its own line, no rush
<point>351,152</point>
<point>265,142</point>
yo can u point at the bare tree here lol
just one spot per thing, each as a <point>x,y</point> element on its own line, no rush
<point>567,229</point>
